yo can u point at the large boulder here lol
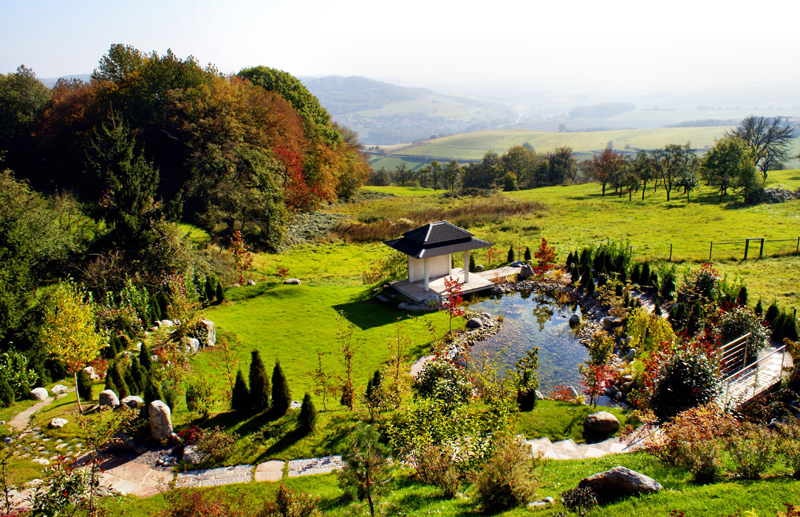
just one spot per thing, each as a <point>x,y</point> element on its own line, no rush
<point>58,389</point>
<point>191,345</point>
<point>619,482</point>
<point>133,402</point>
<point>574,320</point>
<point>601,422</point>
<point>108,398</point>
<point>38,394</point>
<point>160,421</point>
<point>474,323</point>
<point>611,322</point>
<point>525,271</point>
<point>206,333</point>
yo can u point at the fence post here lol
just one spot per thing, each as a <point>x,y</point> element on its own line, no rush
<point>710,248</point>
<point>670,249</point>
<point>761,251</point>
<point>797,250</point>
<point>746,247</point>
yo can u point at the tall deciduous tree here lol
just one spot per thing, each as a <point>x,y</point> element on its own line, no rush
<point>729,164</point>
<point>768,139</point>
<point>606,167</point>
<point>451,174</point>
<point>671,163</point>
<point>69,329</point>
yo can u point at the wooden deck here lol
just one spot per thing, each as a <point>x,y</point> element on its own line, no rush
<point>477,282</point>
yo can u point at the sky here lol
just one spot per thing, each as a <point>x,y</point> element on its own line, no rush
<point>571,44</point>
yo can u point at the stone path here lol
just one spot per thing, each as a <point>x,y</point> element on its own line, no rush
<point>215,477</point>
<point>313,466</point>
<point>133,478</point>
<point>23,418</point>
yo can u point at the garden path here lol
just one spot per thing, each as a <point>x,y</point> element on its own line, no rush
<point>23,418</point>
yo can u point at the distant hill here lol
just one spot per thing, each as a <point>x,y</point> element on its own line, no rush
<point>51,81</point>
<point>386,114</point>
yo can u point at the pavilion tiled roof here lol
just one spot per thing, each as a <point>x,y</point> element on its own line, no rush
<point>435,239</point>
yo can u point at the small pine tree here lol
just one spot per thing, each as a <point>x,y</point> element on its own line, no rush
<point>653,282</point>
<point>281,399</point>
<point>471,263</point>
<point>110,382</point>
<point>772,313</point>
<point>240,397</point>
<point>626,300</point>
<point>152,391</point>
<point>590,286</point>
<point>307,420</point>
<point>130,380</point>
<point>510,256</point>
<point>777,326</point>
<point>644,276</point>
<point>85,385</point>
<point>118,376</point>
<point>6,393</point>
<point>587,274</point>
<point>759,309</point>
<point>145,362</point>
<point>259,383</point>
<point>138,374</point>
<point>586,256</point>
<point>162,302</point>
<point>741,298</point>
<point>220,293</point>
<point>528,254</point>
<point>789,328</point>
<point>657,308</point>
<point>210,291</point>
<point>636,274</point>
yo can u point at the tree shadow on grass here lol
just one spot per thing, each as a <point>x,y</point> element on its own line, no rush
<point>366,312</point>
<point>231,419</point>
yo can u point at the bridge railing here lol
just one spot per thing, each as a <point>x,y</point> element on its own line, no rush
<point>746,383</point>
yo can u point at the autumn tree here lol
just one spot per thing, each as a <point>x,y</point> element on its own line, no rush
<point>768,139</point>
<point>606,166</point>
<point>453,299</point>
<point>545,257</point>
<point>69,330</point>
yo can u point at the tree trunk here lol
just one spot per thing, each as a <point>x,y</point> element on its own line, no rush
<point>77,395</point>
<point>644,189</point>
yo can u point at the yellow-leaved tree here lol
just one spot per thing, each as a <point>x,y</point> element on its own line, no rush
<point>69,330</point>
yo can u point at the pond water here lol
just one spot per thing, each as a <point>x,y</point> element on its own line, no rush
<point>530,320</point>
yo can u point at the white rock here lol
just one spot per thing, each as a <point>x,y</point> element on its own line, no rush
<point>160,421</point>
<point>58,423</point>
<point>58,389</point>
<point>38,394</point>
<point>108,398</point>
<point>41,461</point>
<point>295,404</point>
<point>292,281</point>
<point>132,401</point>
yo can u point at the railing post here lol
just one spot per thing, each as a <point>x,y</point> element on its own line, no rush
<point>761,251</point>
<point>710,249</point>
<point>746,247</point>
<point>670,249</point>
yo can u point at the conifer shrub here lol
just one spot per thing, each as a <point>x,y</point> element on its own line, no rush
<point>152,392</point>
<point>589,287</point>
<point>118,376</point>
<point>171,397</point>
<point>644,275</point>
<point>510,256</point>
<point>145,362</point>
<point>130,381</point>
<point>220,293</point>
<point>687,381</point>
<point>777,327</point>
<point>741,298</point>
<point>759,309</point>
<point>259,383</point>
<point>281,399</point>
<point>789,328</point>
<point>240,396</point>
<point>307,419</point>
<point>772,313</point>
<point>508,478</point>
<point>471,263</point>
<point>85,385</point>
<point>636,274</point>
<point>528,254</point>
<point>586,275</point>
<point>210,290</point>
<point>657,308</point>
<point>199,398</point>
<point>586,257</point>
<point>110,382</point>
<point>6,393</point>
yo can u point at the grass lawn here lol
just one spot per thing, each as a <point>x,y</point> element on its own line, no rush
<point>407,497</point>
<point>561,420</point>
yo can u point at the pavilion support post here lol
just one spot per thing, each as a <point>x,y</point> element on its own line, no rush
<point>466,267</point>
<point>427,278</point>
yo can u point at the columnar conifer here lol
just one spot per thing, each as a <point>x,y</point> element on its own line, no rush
<point>220,293</point>
<point>240,397</point>
<point>528,254</point>
<point>741,298</point>
<point>510,256</point>
<point>145,362</point>
<point>281,399</point>
<point>85,385</point>
<point>259,383</point>
<point>307,420</point>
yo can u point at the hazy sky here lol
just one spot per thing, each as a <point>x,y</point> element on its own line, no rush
<point>581,44</point>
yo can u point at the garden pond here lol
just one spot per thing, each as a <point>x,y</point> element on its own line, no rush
<point>534,320</point>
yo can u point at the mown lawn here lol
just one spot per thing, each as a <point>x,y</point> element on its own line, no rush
<point>407,497</point>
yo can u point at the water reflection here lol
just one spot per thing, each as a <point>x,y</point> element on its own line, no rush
<point>535,320</point>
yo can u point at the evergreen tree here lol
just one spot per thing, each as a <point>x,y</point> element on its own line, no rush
<point>589,288</point>
<point>152,391</point>
<point>307,420</point>
<point>528,254</point>
<point>281,399</point>
<point>790,327</point>
<point>85,385</point>
<point>471,263</point>
<point>145,362</point>
<point>118,376</point>
<point>657,308</point>
<point>741,298</point>
<point>586,256</point>
<point>210,291</point>
<point>138,374</point>
<point>653,282</point>
<point>162,302</point>
<point>644,276</point>
<point>6,393</point>
<point>777,327</point>
<point>240,397</point>
<point>510,257</point>
<point>587,274</point>
<point>110,382</point>
<point>576,274</point>
<point>759,309</point>
<point>772,313</point>
<point>259,383</point>
<point>636,274</point>
<point>220,293</point>
<point>130,381</point>
<point>677,315</point>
